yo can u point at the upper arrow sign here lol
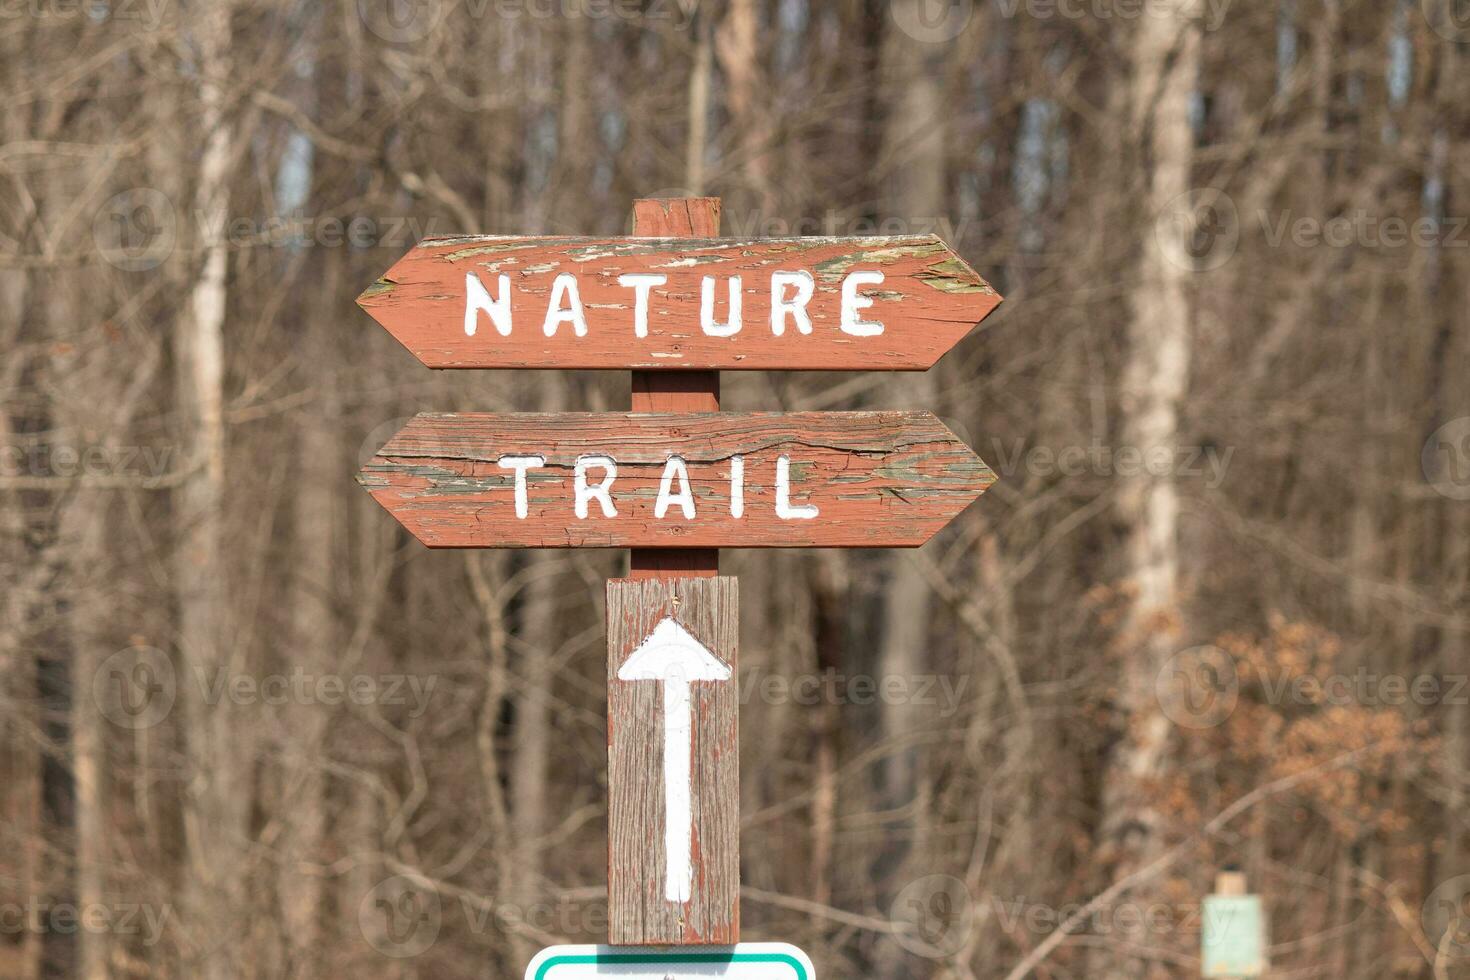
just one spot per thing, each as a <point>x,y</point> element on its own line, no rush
<point>848,304</point>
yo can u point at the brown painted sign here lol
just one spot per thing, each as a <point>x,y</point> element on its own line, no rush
<point>820,304</point>
<point>711,480</point>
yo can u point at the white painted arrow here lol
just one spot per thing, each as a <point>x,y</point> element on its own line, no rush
<point>673,656</point>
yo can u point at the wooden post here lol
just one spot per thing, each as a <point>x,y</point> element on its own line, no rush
<point>675,391</point>
<point>681,586</point>
<point>1230,882</point>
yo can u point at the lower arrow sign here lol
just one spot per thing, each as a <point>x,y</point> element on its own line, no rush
<point>671,656</point>
<point>673,844</point>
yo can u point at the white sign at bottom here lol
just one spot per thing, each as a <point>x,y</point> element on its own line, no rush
<point>743,961</point>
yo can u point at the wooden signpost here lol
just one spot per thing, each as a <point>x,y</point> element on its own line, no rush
<point>674,480</point>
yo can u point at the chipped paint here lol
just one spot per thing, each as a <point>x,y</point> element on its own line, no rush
<point>928,300</point>
<point>877,479</point>
<point>382,287</point>
<point>953,276</point>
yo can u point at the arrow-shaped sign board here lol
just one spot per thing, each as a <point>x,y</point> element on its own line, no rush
<point>820,304</point>
<point>712,480</point>
<point>675,660</point>
<point>673,761</point>
<point>743,961</point>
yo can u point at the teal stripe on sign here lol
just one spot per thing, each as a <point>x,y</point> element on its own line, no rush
<point>661,959</point>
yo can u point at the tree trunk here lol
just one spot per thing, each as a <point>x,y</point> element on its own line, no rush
<point>215,803</point>
<point>21,830</point>
<point>530,814</point>
<point>698,100</point>
<point>84,526</point>
<point>913,161</point>
<point>315,643</point>
<point>1155,378</point>
<point>739,50</point>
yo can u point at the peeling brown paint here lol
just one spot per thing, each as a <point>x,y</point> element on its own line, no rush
<point>379,288</point>
<point>928,301</point>
<point>878,479</point>
<point>953,276</point>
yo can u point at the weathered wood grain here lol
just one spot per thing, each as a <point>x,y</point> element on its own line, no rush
<point>676,217</point>
<point>877,479</point>
<point>929,300</point>
<point>638,911</point>
<point>675,391</point>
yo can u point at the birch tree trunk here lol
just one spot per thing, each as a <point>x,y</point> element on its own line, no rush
<point>1155,378</point>
<point>216,804</point>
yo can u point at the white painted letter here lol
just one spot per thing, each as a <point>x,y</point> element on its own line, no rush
<point>565,285</point>
<point>784,510</point>
<point>796,306</point>
<point>707,308</point>
<point>684,498</point>
<point>602,491</point>
<point>520,464</point>
<point>641,282</point>
<point>852,303</point>
<point>477,299</point>
<point>737,486</point>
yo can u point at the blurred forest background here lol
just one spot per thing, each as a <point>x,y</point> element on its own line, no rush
<point>1213,614</point>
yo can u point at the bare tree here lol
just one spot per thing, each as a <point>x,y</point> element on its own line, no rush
<point>1154,384</point>
<point>165,289</point>
<point>217,799</point>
